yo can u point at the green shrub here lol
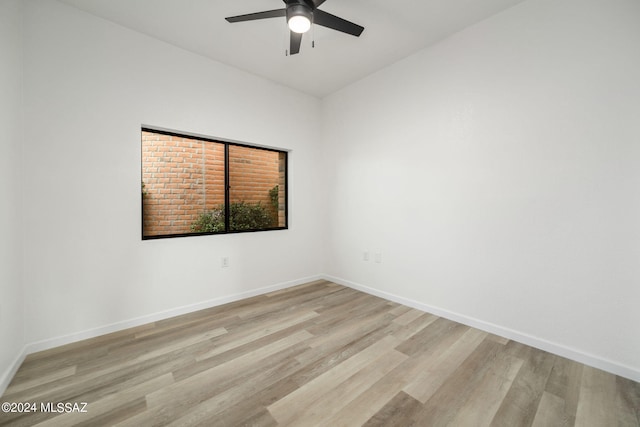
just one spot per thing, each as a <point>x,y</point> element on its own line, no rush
<point>273,196</point>
<point>242,216</point>
<point>210,222</point>
<point>275,200</point>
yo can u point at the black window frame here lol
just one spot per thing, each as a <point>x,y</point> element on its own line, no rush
<point>227,187</point>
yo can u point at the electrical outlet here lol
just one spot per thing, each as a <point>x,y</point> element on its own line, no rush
<point>365,256</point>
<point>224,262</point>
<point>378,257</point>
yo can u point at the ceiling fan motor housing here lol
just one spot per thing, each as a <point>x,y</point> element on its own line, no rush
<point>299,9</point>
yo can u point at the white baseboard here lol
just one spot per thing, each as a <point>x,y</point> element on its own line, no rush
<point>530,340</point>
<point>154,317</point>
<point>7,376</point>
<point>49,343</point>
<point>555,348</point>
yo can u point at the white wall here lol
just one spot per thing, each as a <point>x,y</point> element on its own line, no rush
<point>89,86</point>
<point>11,291</point>
<point>498,173</point>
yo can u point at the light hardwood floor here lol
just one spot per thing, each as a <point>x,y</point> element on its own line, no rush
<point>316,355</point>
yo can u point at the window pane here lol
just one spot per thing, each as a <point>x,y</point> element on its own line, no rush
<point>257,194</point>
<point>182,185</point>
<point>187,180</point>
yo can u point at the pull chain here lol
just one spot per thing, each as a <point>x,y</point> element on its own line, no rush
<point>286,41</point>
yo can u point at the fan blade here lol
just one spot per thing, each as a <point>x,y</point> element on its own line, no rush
<point>296,40</point>
<point>335,23</point>
<point>258,15</point>
<point>317,3</point>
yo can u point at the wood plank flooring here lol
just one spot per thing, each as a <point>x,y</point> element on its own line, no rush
<point>315,355</point>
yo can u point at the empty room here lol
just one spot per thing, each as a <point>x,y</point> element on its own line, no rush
<point>320,213</point>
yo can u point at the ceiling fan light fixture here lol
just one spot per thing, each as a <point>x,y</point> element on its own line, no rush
<point>299,18</point>
<point>299,24</point>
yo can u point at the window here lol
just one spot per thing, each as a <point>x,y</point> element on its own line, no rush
<point>198,186</point>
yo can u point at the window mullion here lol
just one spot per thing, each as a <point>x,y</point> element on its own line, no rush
<point>227,187</point>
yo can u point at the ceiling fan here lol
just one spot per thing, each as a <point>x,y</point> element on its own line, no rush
<point>301,14</point>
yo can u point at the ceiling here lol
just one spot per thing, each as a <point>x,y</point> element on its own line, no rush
<point>393,30</point>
